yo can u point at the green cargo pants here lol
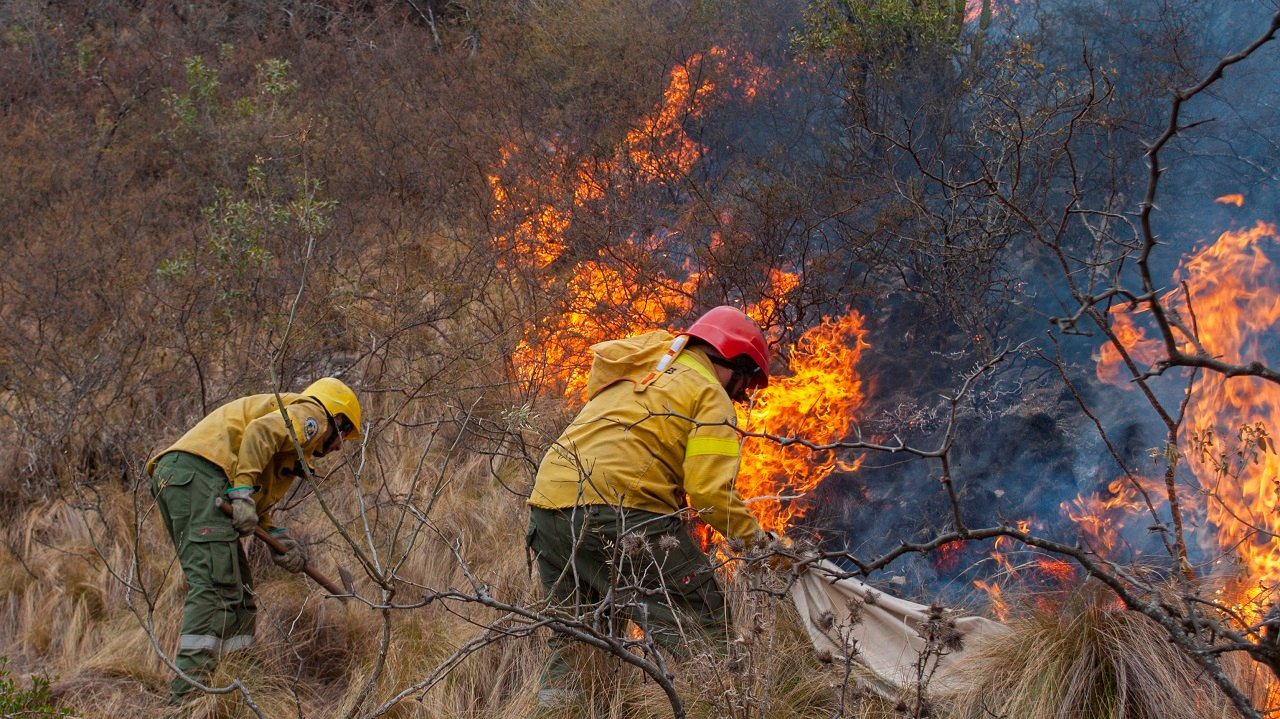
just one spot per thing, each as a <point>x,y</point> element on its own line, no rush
<point>659,578</point>
<point>219,613</point>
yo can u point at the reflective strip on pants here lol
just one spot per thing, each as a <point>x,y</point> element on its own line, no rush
<point>199,643</point>
<point>238,642</point>
<point>212,644</point>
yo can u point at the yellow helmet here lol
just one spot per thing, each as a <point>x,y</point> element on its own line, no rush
<point>337,398</point>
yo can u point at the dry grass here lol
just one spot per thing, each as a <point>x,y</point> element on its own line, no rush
<point>65,611</point>
<point>68,609</point>
<point>1087,657</point>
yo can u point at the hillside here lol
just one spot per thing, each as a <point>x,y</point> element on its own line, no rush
<point>1014,371</point>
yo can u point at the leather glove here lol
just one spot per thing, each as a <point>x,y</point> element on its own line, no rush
<point>244,512</point>
<point>294,559</point>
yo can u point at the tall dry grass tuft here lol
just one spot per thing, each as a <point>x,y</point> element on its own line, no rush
<point>1089,657</point>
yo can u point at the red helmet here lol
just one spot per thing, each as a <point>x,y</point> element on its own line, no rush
<point>734,335</point>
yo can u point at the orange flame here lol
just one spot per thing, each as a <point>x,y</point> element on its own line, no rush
<point>995,597</point>
<point>562,354</point>
<point>1061,571</point>
<point>1143,351</point>
<point>973,9</point>
<point>1234,308</point>
<point>606,296</point>
<point>1236,199</point>
<point>817,402</point>
<point>1100,519</point>
<point>947,556</point>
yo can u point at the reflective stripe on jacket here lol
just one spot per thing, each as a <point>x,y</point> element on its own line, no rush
<point>653,443</point>
<point>248,439</point>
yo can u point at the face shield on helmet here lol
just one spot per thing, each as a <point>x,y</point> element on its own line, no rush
<point>738,339</point>
<point>337,399</point>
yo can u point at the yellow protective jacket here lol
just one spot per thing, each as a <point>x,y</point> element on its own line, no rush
<point>248,439</point>
<point>616,452</point>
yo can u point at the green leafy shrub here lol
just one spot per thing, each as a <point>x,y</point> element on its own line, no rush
<point>16,701</point>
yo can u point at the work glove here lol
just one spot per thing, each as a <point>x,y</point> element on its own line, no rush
<point>294,559</point>
<point>244,512</point>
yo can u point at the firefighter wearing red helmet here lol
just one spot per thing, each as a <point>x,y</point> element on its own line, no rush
<point>656,439</point>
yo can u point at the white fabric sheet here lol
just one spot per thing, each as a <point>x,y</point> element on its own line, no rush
<point>883,633</point>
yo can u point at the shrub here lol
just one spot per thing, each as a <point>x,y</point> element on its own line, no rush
<point>16,701</point>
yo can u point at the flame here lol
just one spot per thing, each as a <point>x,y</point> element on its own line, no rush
<point>1234,308</point>
<point>660,148</point>
<point>1236,199</point>
<point>606,297</point>
<point>619,293</point>
<point>1142,350</point>
<point>995,598</point>
<point>537,229</point>
<point>1101,518</point>
<point>947,556</point>
<point>973,9</point>
<point>818,402</point>
<point>561,352</point>
<point>1063,572</point>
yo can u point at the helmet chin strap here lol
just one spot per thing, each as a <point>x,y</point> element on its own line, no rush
<point>738,380</point>
<point>737,388</point>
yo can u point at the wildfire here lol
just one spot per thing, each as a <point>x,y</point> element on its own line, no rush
<point>1236,199</point>
<point>995,597</point>
<point>947,557</point>
<point>622,294</point>
<point>818,402</point>
<point>1100,518</point>
<point>1049,574</point>
<point>1234,307</point>
<point>1143,351</point>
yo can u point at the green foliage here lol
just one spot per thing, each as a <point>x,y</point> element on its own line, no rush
<point>175,267</point>
<point>881,34</point>
<point>273,77</point>
<point>86,56</point>
<point>201,96</point>
<point>241,230</point>
<point>16,701</point>
<point>15,36</point>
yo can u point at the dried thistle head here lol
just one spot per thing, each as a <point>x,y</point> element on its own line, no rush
<point>668,543</point>
<point>854,607</point>
<point>826,621</point>
<point>824,656</point>
<point>633,544</point>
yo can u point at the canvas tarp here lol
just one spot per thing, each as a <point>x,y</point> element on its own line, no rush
<point>885,634</point>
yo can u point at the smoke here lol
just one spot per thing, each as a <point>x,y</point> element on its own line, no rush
<point>1028,448</point>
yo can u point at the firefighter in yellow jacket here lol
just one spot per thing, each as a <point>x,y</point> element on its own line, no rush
<point>655,439</point>
<point>243,452</point>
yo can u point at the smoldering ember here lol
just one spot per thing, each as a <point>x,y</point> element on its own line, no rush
<point>1013,265</point>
